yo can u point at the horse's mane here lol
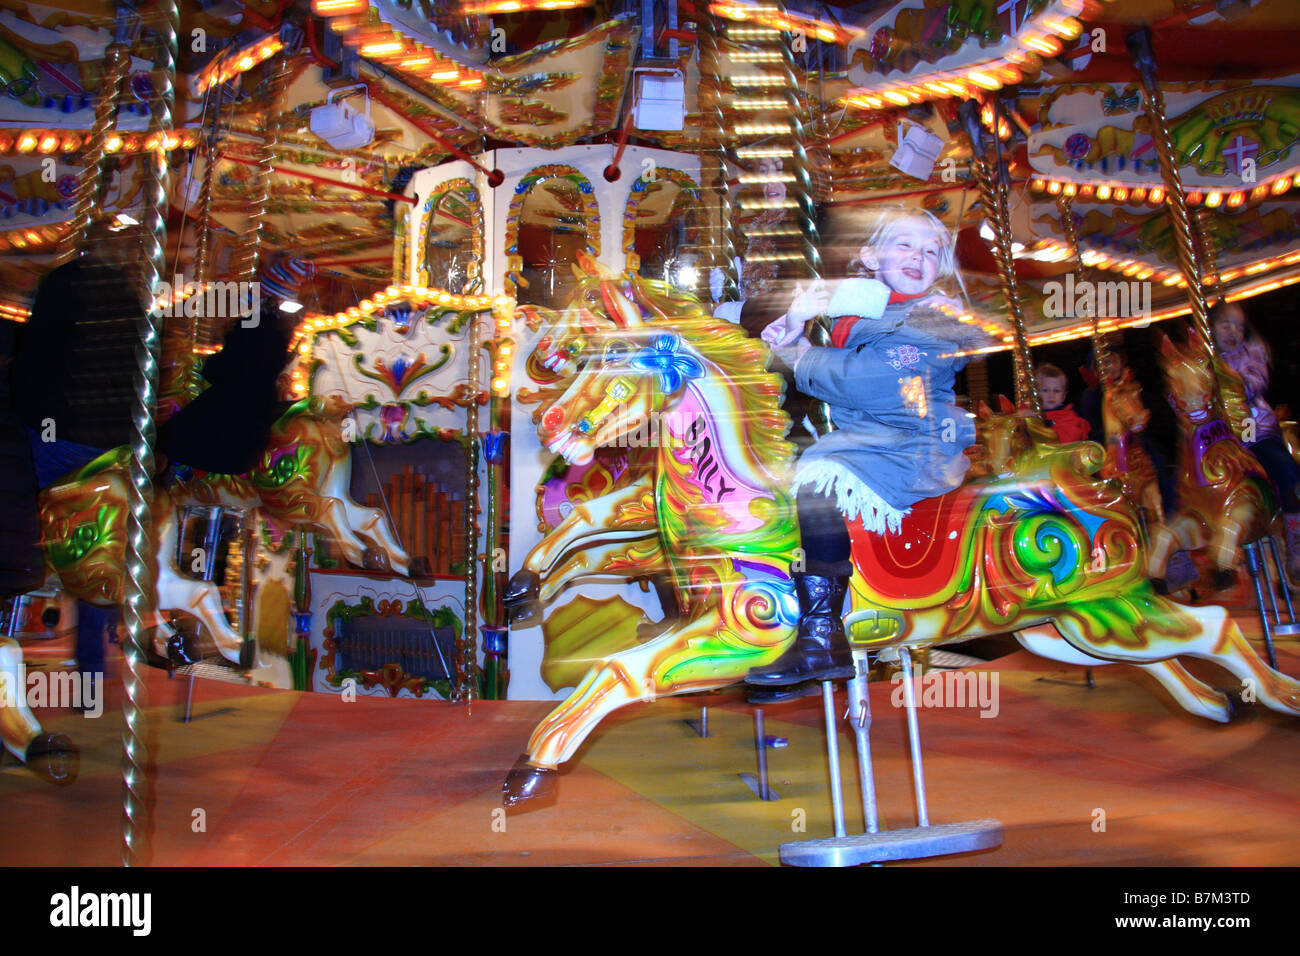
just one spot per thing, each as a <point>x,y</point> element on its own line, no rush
<point>741,358</point>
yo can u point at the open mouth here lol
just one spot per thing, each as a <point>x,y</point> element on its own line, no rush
<point>913,274</point>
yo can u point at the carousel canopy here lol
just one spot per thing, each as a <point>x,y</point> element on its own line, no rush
<point>859,87</point>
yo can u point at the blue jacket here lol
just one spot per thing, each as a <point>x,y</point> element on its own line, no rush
<point>900,435</point>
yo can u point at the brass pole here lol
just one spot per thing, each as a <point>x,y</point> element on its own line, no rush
<point>84,207</point>
<point>1100,350</point>
<point>1231,394</point>
<point>467,665</point>
<point>249,258</point>
<point>1139,46</point>
<point>140,594</point>
<point>819,413</point>
<point>721,243</point>
<point>993,193</point>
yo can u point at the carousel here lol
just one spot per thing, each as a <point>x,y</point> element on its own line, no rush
<point>525,571</point>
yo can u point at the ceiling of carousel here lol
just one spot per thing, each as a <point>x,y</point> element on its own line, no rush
<point>451,79</point>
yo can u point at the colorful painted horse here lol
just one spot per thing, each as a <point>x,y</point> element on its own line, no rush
<point>1224,497</point>
<point>1050,552</point>
<point>1124,419</point>
<point>304,478</point>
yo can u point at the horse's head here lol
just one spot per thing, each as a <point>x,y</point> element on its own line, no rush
<point>1123,404</point>
<point>1003,436</point>
<point>627,366</point>
<point>1189,377</point>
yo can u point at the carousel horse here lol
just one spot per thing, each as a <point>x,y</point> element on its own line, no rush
<point>1224,497</point>
<point>594,538</point>
<point>303,478</point>
<point>1124,419</point>
<point>1048,552</point>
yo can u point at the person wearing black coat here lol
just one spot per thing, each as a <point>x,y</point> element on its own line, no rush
<point>227,427</point>
<point>73,388</point>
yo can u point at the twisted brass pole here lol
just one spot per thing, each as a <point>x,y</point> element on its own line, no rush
<point>248,261</point>
<point>1209,257</point>
<point>1231,393</point>
<point>203,243</point>
<point>819,413</point>
<point>467,666</point>
<point>116,61</point>
<point>1100,350</point>
<point>993,193</point>
<point>713,161</point>
<point>182,332</point>
<point>1139,45</point>
<point>140,579</point>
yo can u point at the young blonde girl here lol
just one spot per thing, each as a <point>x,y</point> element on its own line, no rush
<point>888,377</point>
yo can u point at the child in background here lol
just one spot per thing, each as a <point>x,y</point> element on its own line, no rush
<point>1248,355</point>
<point>1053,388</point>
<point>888,377</point>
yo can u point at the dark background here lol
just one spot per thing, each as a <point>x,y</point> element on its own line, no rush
<point>1274,316</point>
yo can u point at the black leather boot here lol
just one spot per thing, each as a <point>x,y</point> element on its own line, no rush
<point>820,650</point>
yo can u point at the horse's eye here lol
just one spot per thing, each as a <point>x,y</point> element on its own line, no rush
<point>620,390</point>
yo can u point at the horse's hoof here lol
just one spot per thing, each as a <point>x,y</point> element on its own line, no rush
<point>176,652</point>
<point>1238,709</point>
<point>54,758</point>
<point>528,782</point>
<point>373,559</point>
<point>524,615</point>
<point>523,588</point>
<point>248,654</point>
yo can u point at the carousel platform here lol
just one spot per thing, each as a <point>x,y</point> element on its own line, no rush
<point>291,779</point>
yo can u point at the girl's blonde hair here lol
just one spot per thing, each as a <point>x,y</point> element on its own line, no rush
<point>885,224</point>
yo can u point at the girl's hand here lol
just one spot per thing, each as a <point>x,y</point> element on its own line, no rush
<point>808,303</point>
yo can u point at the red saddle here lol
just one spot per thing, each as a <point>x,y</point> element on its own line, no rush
<point>918,564</point>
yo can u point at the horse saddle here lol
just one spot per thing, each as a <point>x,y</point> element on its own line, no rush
<point>919,565</point>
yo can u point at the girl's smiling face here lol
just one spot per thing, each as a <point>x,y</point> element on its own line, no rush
<point>1230,328</point>
<point>908,260</point>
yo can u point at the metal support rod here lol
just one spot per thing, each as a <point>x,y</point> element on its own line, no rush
<point>1255,561</point>
<point>249,257</point>
<point>704,722</point>
<point>140,588</point>
<point>1281,577</point>
<point>467,664</point>
<point>993,194</point>
<point>1101,354</point>
<point>860,716</point>
<point>760,745</point>
<point>914,737</point>
<point>15,611</point>
<point>1231,392</point>
<point>1139,46</point>
<point>713,161</point>
<point>833,757</point>
<point>116,62</point>
<point>325,180</point>
<point>212,542</point>
<point>801,190</point>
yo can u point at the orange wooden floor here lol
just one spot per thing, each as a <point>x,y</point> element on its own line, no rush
<point>277,778</point>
